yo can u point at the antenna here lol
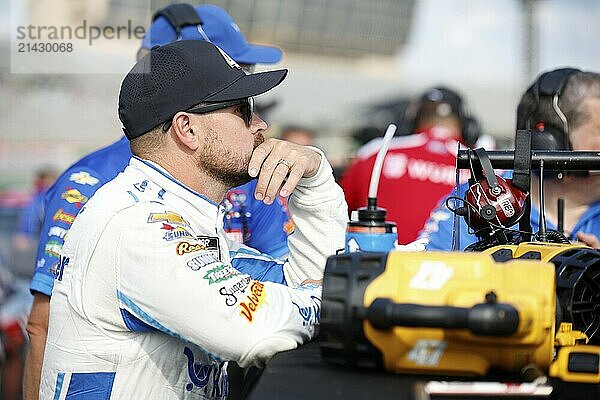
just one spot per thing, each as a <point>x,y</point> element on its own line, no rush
<point>456,222</point>
<point>542,231</point>
<point>561,215</point>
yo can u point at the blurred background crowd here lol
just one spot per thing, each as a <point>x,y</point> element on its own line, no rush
<point>355,66</point>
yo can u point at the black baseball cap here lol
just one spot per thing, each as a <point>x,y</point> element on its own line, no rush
<point>179,75</point>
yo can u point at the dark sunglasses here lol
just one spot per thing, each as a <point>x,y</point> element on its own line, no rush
<point>246,109</point>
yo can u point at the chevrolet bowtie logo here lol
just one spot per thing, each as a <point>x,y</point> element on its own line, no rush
<point>169,217</point>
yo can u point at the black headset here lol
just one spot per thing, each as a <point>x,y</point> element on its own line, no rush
<point>179,15</point>
<point>470,128</point>
<point>551,137</point>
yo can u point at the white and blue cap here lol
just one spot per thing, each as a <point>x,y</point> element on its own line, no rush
<point>210,23</point>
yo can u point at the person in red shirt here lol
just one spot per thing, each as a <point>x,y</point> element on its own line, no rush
<point>419,169</point>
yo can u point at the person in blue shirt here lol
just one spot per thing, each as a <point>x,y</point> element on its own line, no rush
<point>262,226</point>
<point>31,216</point>
<point>572,116</point>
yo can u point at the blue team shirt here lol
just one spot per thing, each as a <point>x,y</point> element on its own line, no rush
<point>255,224</point>
<point>264,227</point>
<point>30,219</point>
<point>440,225</point>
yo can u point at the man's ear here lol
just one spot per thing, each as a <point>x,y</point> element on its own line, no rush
<point>187,134</point>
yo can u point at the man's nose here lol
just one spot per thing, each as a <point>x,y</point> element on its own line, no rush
<point>257,124</point>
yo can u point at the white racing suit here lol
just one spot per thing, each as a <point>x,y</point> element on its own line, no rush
<point>147,304</point>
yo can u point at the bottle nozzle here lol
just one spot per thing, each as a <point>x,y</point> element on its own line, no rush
<point>371,212</point>
<point>372,203</point>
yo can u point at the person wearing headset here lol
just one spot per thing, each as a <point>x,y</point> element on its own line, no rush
<point>261,225</point>
<point>563,109</point>
<point>419,168</point>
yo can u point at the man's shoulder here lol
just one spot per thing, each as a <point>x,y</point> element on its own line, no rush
<point>129,186</point>
<point>125,203</point>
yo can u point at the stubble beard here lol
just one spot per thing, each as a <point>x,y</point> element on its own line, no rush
<point>225,165</point>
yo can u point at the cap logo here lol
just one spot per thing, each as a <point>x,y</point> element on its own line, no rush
<point>234,26</point>
<point>435,95</point>
<point>228,59</point>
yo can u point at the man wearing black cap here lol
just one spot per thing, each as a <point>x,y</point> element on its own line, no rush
<point>247,220</point>
<point>147,303</point>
